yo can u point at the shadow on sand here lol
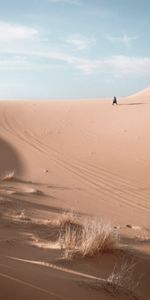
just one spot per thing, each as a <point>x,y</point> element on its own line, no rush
<point>134,103</point>
<point>9,159</point>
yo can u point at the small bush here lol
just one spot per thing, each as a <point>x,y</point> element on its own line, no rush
<point>67,218</point>
<point>88,238</point>
<point>119,282</point>
<point>8,176</point>
<point>97,237</point>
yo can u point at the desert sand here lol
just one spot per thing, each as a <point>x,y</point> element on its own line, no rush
<point>83,156</point>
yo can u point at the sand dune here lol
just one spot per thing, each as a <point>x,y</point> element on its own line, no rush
<point>86,156</point>
<point>145,94</point>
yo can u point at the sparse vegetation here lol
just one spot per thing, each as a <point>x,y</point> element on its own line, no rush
<point>97,237</point>
<point>122,279</point>
<point>67,218</point>
<point>87,238</point>
<point>8,176</point>
<point>119,282</point>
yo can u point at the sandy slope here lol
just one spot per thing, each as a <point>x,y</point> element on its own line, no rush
<point>87,156</point>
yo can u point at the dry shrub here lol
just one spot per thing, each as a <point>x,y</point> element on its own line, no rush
<point>67,218</point>
<point>70,233</point>
<point>88,238</point>
<point>119,282</point>
<point>8,176</point>
<point>97,237</point>
<point>70,239</point>
<point>122,282</point>
<point>122,278</point>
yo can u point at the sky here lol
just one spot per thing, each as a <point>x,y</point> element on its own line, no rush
<point>66,49</point>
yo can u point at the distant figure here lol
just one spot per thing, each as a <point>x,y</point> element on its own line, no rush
<point>114,101</point>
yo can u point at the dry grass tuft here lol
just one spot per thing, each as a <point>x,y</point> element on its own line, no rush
<point>8,176</point>
<point>122,280</point>
<point>97,237</point>
<point>70,232</point>
<point>69,241</point>
<point>118,282</point>
<point>88,238</point>
<point>67,218</point>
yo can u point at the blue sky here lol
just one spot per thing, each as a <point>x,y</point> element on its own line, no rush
<point>73,48</point>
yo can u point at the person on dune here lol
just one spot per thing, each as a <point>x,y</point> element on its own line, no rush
<point>114,100</point>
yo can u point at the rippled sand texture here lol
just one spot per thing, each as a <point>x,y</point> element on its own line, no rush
<point>86,156</point>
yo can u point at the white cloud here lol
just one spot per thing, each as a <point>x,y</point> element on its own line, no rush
<point>125,40</point>
<point>118,65</point>
<point>10,32</point>
<point>126,65</point>
<point>13,62</point>
<point>76,2</point>
<point>80,42</point>
<point>24,55</point>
